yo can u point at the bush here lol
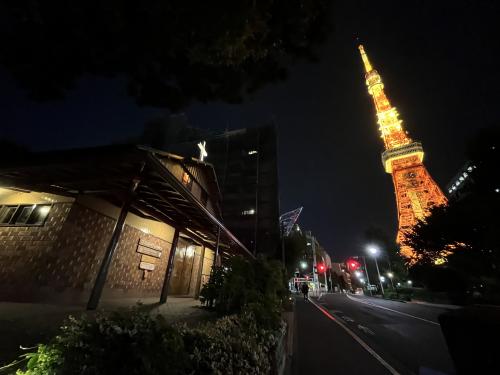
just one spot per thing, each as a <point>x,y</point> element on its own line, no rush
<point>131,344</point>
<point>138,344</point>
<point>254,286</point>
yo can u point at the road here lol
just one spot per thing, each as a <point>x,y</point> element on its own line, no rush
<point>346,334</point>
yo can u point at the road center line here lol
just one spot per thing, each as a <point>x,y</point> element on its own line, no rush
<point>365,346</point>
<point>395,311</point>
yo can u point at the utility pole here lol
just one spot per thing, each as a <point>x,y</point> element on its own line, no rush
<point>378,273</point>
<point>367,277</point>
<point>315,269</point>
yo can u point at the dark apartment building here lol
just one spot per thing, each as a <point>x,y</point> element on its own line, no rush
<point>245,162</point>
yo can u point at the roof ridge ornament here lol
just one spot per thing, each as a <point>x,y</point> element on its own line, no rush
<point>203,150</point>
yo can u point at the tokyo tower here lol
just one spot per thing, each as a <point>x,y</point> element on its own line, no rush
<point>416,191</point>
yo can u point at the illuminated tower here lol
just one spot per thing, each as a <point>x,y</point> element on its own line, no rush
<point>415,189</point>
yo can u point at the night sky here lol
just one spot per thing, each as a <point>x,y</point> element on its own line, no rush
<point>439,64</point>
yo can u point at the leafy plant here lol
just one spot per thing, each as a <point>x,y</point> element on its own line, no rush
<point>139,344</point>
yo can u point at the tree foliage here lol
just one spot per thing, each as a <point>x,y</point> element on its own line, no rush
<point>168,51</point>
<point>295,251</point>
<point>242,285</point>
<point>465,232</point>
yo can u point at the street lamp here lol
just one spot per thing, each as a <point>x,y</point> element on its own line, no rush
<point>303,265</point>
<point>374,251</point>
<point>410,282</point>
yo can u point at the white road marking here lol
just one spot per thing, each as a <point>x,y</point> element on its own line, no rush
<point>347,319</point>
<point>395,311</point>
<point>366,329</point>
<point>365,346</point>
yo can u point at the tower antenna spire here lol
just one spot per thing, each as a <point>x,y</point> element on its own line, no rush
<point>364,56</point>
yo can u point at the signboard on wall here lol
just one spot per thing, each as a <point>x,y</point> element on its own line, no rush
<point>146,266</point>
<point>150,254</point>
<point>148,251</point>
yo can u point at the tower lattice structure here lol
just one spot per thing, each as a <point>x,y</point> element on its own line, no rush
<point>416,191</point>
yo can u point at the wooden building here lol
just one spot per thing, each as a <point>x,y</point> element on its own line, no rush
<point>110,222</point>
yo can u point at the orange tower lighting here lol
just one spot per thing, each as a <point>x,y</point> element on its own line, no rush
<point>416,191</point>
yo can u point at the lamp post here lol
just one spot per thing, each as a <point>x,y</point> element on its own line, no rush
<point>367,277</point>
<point>374,252</point>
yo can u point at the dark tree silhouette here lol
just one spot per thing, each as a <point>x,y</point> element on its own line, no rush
<point>169,51</point>
<point>466,230</point>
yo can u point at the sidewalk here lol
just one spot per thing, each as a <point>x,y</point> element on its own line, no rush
<point>27,324</point>
<point>441,305</point>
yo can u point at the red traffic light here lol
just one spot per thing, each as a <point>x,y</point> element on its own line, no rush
<point>321,268</point>
<point>353,265</point>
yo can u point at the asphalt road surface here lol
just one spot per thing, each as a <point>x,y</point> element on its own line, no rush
<point>346,334</point>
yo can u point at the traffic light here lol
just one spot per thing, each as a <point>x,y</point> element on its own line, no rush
<point>321,268</point>
<point>353,265</point>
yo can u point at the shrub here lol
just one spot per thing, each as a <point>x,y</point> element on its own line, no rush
<point>255,286</point>
<point>138,344</point>
<point>131,344</point>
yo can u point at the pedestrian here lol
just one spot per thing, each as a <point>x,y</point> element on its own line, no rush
<point>297,287</point>
<point>305,291</point>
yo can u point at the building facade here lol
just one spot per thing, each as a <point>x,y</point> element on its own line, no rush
<point>246,165</point>
<point>109,222</point>
<point>461,184</point>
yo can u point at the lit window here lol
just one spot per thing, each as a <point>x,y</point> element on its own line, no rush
<point>461,178</point>
<point>252,152</point>
<point>248,212</point>
<point>186,179</point>
<point>469,169</point>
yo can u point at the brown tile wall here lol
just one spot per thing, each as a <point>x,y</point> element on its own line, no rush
<point>125,275</point>
<point>60,260</point>
<point>26,253</point>
<point>81,248</point>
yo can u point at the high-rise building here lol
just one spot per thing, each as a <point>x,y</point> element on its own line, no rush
<point>246,165</point>
<point>245,162</point>
<point>460,185</point>
<point>416,191</point>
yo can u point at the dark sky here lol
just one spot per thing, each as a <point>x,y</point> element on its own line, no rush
<point>439,64</point>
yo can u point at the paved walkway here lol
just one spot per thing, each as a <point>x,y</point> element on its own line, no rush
<point>27,324</point>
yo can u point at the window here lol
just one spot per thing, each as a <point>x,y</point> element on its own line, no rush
<point>186,180</point>
<point>248,212</point>
<point>26,214</point>
<point>6,213</point>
